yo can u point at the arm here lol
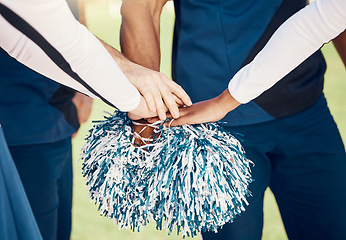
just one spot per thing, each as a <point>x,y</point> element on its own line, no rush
<point>140,31</point>
<point>140,38</point>
<point>340,46</point>
<point>299,37</point>
<point>45,36</point>
<point>140,42</point>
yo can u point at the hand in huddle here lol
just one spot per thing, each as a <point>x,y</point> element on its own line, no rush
<point>206,111</point>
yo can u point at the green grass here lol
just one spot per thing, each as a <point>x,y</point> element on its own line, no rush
<point>87,224</point>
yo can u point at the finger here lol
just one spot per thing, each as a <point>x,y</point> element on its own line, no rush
<point>179,92</point>
<point>183,111</point>
<point>172,123</point>
<point>178,101</point>
<point>171,104</point>
<point>168,98</point>
<point>153,119</point>
<point>160,106</point>
<point>186,119</point>
<point>189,115</point>
<point>177,122</point>
<point>149,99</point>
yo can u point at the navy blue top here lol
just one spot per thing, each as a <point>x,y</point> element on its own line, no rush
<point>33,108</point>
<point>213,39</point>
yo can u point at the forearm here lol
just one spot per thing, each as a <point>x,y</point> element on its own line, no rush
<point>140,32</point>
<point>55,44</point>
<point>340,46</point>
<point>118,57</point>
<point>298,38</point>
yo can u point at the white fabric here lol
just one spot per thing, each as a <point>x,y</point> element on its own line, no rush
<point>85,54</point>
<point>298,38</point>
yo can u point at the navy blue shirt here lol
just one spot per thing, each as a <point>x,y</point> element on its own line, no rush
<point>213,39</point>
<point>33,108</point>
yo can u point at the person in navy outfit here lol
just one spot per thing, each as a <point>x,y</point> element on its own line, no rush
<point>287,131</point>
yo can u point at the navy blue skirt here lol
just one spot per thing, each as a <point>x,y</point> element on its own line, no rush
<point>16,218</point>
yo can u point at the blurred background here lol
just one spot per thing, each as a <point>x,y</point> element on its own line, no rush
<point>103,19</point>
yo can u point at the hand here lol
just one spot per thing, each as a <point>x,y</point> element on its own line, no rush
<point>158,90</point>
<point>142,111</point>
<point>83,105</point>
<point>207,111</point>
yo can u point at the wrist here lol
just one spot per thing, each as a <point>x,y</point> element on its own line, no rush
<point>227,102</point>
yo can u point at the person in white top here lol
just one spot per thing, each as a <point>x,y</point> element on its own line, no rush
<point>44,35</point>
<point>295,40</point>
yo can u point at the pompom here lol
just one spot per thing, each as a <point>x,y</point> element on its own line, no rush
<point>190,178</point>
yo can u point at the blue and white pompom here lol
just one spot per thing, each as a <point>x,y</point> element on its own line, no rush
<point>190,178</point>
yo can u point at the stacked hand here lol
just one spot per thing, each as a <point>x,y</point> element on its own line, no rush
<point>206,111</point>
<point>162,98</point>
<point>159,94</point>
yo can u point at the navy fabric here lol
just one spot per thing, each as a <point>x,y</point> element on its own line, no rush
<point>25,114</point>
<point>16,219</point>
<point>302,159</point>
<point>48,166</point>
<point>213,39</point>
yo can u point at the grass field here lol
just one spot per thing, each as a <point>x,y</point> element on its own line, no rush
<point>104,21</point>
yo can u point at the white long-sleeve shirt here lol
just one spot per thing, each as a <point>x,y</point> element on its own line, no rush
<point>44,35</point>
<point>293,42</point>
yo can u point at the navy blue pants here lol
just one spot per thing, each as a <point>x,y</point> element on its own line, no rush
<point>46,174</point>
<point>302,159</point>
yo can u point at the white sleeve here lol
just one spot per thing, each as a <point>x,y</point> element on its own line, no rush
<point>44,35</point>
<point>293,42</point>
